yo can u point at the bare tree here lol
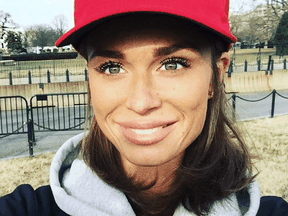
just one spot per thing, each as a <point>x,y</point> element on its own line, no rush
<point>41,35</point>
<point>6,23</point>
<point>28,36</point>
<point>236,18</point>
<point>278,7</point>
<point>256,26</point>
<point>60,22</point>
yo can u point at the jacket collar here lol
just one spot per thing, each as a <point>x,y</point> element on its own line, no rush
<point>79,191</point>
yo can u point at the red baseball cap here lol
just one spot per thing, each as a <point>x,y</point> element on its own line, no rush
<point>210,13</point>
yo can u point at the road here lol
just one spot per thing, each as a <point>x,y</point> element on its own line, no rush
<point>17,145</point>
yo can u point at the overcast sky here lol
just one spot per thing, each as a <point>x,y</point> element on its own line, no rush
<point>236,5</point>
<point>30,12</point>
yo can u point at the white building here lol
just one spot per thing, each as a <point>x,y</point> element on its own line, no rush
<point>48,49</point>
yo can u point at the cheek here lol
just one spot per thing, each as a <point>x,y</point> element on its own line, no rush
<point>188,92</point>
<point>106,96</point>
<point>100,100</point>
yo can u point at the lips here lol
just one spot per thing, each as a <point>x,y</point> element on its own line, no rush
<point>146,133</point>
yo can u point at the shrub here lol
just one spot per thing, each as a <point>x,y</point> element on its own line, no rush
<point>281,37</point>
<point>42,56</point>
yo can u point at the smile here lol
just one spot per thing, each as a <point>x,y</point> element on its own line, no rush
<point>147,136</point>
<point>146,131</point>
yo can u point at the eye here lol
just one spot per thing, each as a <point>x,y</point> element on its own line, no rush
<point>171,66</point>
<point>110,68</point>
<point>174,64</point>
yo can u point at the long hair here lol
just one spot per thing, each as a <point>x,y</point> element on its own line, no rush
<point>215,165</point>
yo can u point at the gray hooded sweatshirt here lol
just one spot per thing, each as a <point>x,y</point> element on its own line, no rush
<point>83,193</point>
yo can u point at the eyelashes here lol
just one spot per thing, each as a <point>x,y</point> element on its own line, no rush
<point>175,60</point>
<point>110,67</point>
<point>171,64</point>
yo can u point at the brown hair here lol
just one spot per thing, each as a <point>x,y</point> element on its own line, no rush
<point>214,166</point>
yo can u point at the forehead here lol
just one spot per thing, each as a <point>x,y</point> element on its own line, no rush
<point>147,27</point>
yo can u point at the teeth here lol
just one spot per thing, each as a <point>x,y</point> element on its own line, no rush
<point>145,131</point>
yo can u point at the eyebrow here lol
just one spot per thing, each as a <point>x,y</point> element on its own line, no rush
<point>161,51</point>
<point>106,53</point>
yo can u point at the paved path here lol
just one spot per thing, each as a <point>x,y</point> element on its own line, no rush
<point>262,109</point>
<point>17,145</point>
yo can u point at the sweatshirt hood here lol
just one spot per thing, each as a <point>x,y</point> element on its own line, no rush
<point>78,191</point>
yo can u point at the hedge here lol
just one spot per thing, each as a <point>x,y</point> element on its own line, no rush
<point>42,56</point>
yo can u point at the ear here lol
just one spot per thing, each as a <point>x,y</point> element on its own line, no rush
<point>223,64</point>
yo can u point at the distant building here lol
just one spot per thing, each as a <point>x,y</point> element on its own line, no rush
<point>49,49</point>
<point>236,45</point>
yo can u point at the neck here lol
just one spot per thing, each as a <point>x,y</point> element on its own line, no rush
<point>163,176</point>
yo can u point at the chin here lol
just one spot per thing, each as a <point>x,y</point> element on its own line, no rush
<point>152,159</point>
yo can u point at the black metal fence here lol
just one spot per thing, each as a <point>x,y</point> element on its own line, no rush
<point>267,65</point>
<point>48,78</point>
<point>46,112</point>
<point>14,115</point>
<point>61,112</point>
<point>58,112</point>
<point>38,68</point>
<point>272,111</point>
<point>45,71</point>
<point>258,64</point>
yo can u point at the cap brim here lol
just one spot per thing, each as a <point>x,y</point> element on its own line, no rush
<point>74,34</point>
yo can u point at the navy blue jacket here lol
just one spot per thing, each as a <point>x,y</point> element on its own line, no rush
<point>24,201</point>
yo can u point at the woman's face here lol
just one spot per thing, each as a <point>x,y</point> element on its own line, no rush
<point>149,92</point>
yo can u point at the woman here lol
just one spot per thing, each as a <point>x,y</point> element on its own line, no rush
<point>160,142</point>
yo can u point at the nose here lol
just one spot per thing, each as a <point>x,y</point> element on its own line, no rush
<point>143,97</point>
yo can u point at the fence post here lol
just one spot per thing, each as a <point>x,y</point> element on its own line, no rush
<point>231,66</point>
<point>273,103</point>
<point>284,66</point>
<point>245,66</point>
<point>259,64</point>
<point>271,72</point>
<point>48,77</point>
<point>272,67</point>
<point>10,78</point>
<point>40,80</point>
<point>268,66</point>
<point>29,77</point>
<point>67,76</point>
<point>86,74</point>
<point>31,137</point>
<point>230,69</point>
<point>234,105</point>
